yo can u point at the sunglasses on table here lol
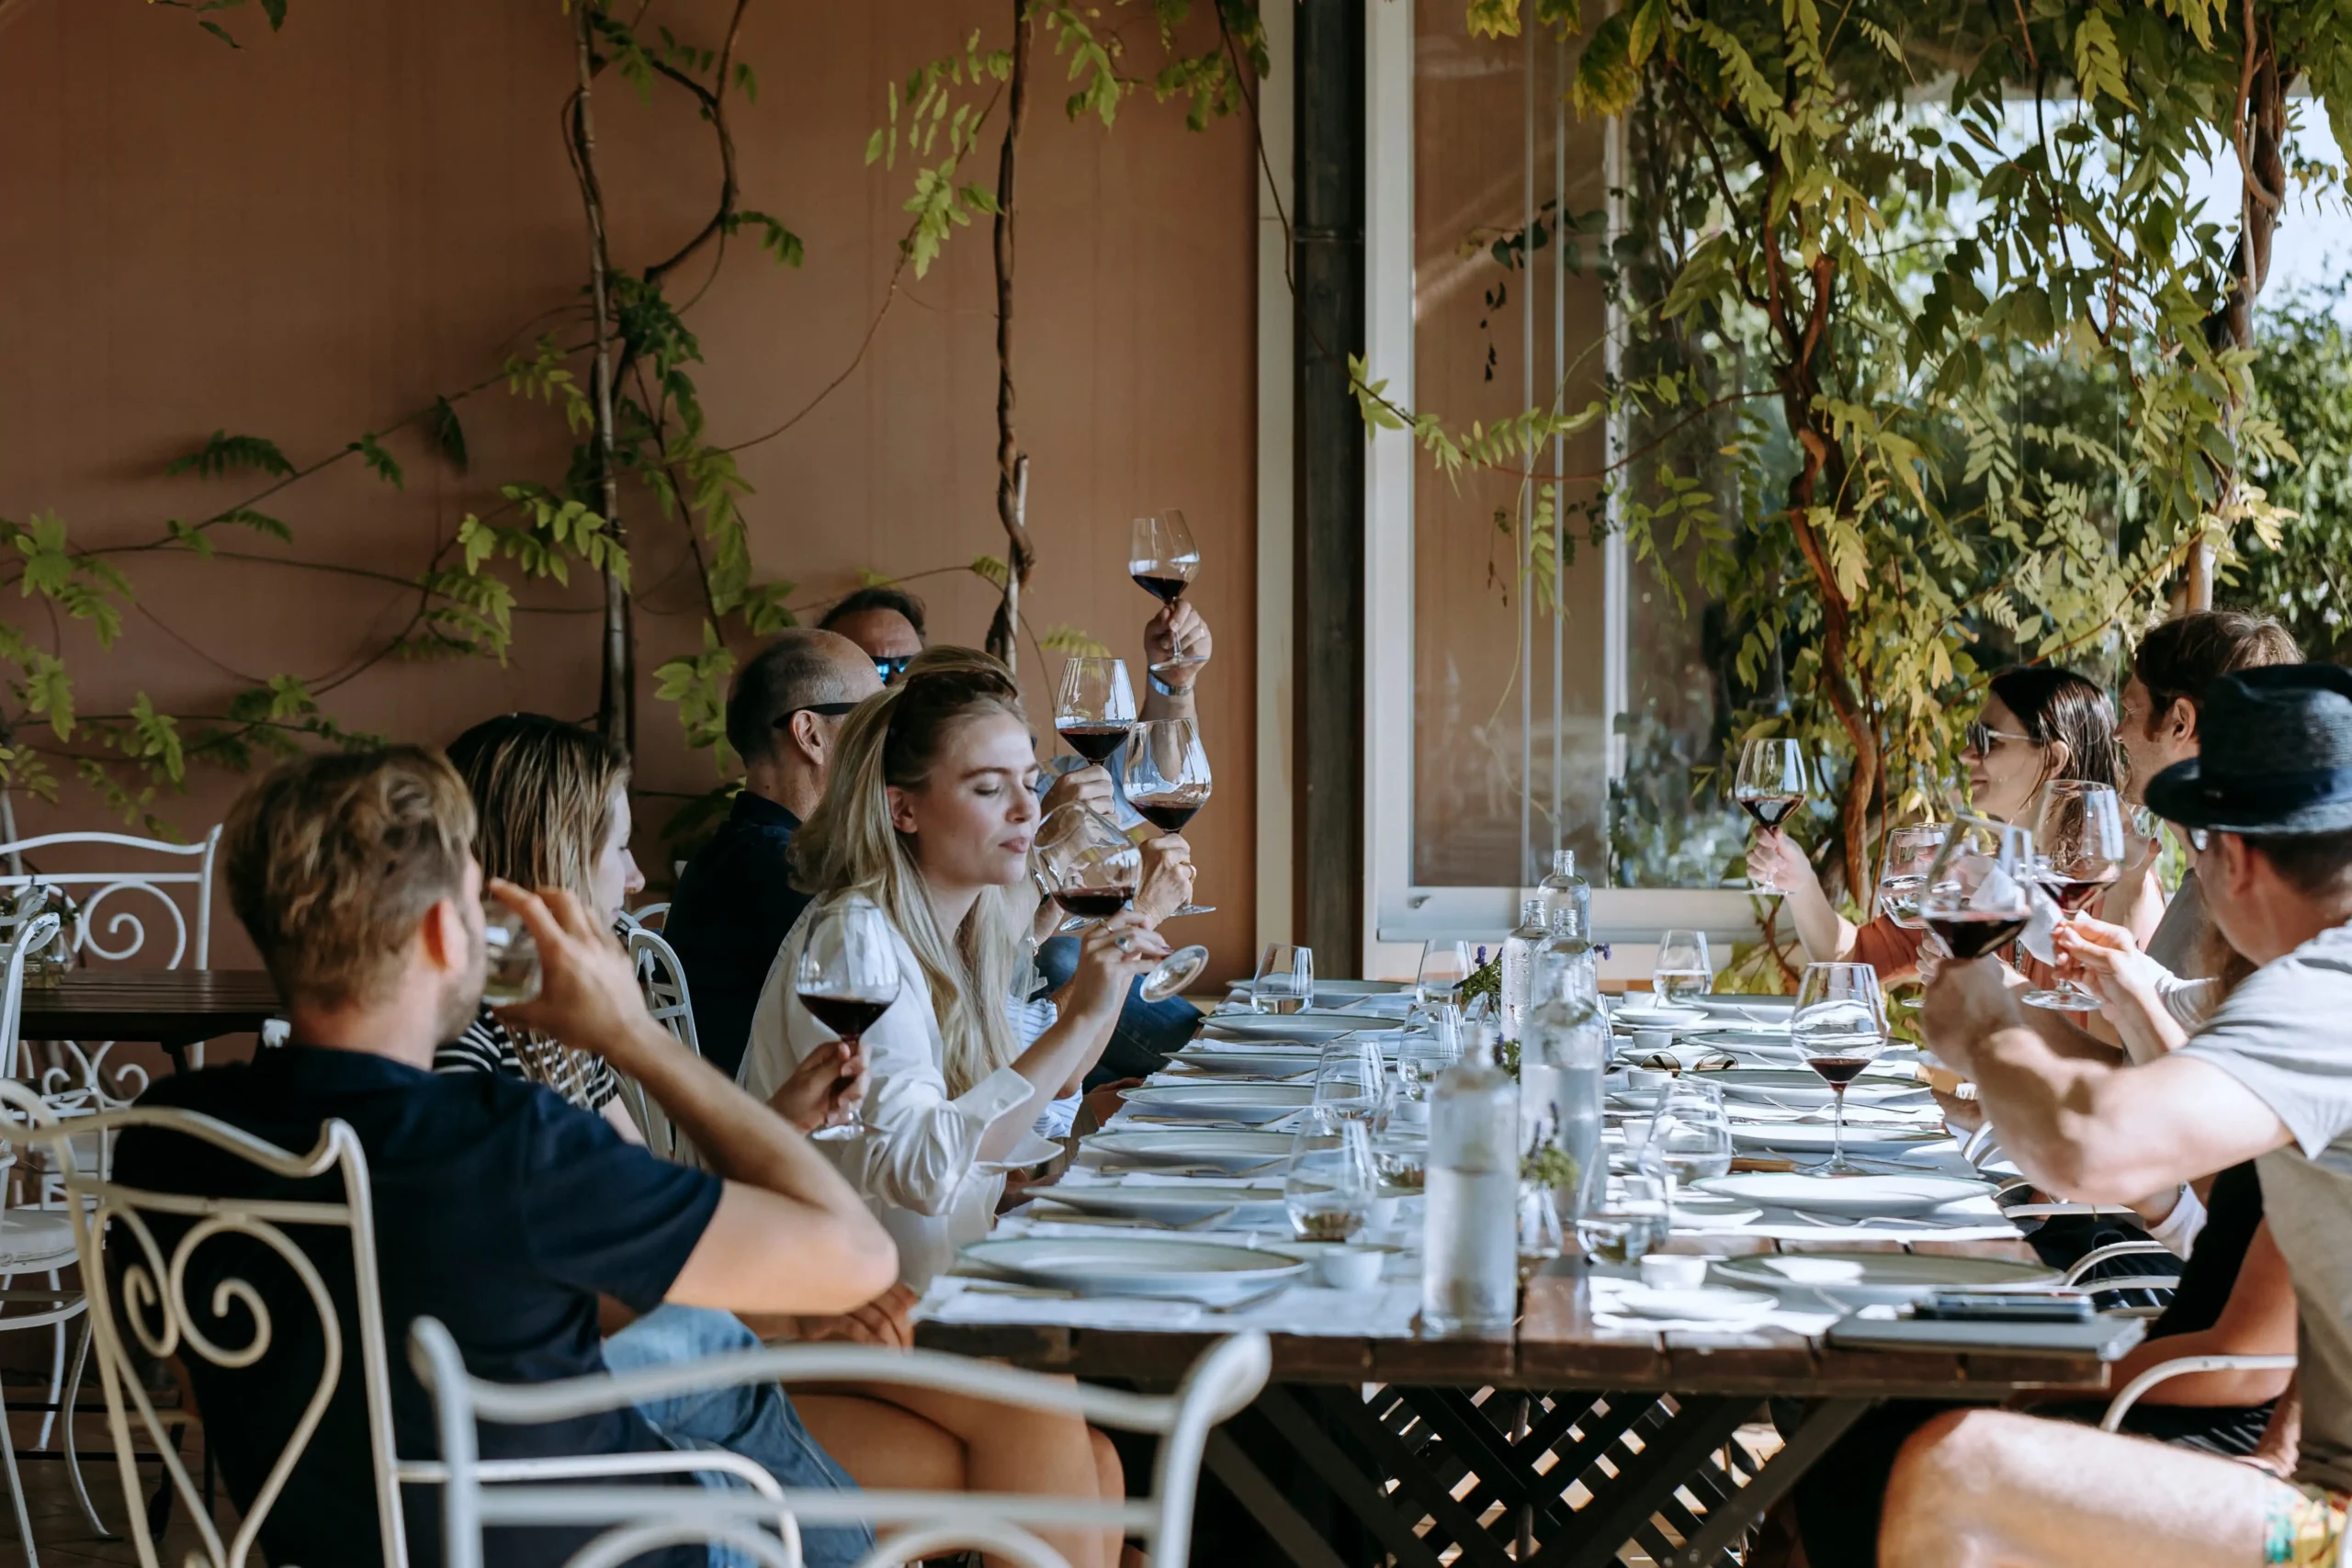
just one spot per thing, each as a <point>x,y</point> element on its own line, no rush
<point>1981,738</point>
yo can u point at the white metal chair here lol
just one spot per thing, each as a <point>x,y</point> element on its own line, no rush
<point>663,980</point>
<point>2181,1366</point>
<point>652,917</point>
<point>37,1241</point>
<point>153,1314</point>
<point>1226,1377</point>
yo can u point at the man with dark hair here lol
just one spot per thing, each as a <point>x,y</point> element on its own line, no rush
<point>498,1209</point>
<point>735,900</point>
<point>2267,808</point>
<point>2157,726</point>
<point>886,621</point>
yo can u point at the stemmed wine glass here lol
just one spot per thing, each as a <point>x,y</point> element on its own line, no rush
<point>1091,871</point>
<point>1444,966</point>
<point>1285,979</point>
<point>1683,969</point>
<point>1329,1183</point>
<point>1903,861</point>
<point>1770,784</point>
<point>1839,1026</point>
<point>1976,899</point>
<point>1163,561</point>
<point>2080,832</point>
<point>1094,707</point>
<point>1690,1133</point>
<point>1167,779</point>
<point>848,974</point>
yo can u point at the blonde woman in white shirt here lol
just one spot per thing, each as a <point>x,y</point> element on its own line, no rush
<point>930,812</point>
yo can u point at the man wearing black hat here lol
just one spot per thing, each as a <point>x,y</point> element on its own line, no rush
<point>2267,808</point>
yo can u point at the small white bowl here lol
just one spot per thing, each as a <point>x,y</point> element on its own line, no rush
<point>1351,1268</point>
<point>1673,1272</point>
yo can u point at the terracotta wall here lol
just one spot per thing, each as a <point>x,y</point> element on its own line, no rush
<point>311,236</point>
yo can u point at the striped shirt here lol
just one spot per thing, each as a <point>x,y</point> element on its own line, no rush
<point>489,1047</point>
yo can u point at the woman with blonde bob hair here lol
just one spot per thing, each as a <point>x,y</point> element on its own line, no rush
<point>930,813</point>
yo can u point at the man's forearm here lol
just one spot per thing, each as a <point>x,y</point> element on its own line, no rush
<point>740,1139</point>
<point>1161,704</point>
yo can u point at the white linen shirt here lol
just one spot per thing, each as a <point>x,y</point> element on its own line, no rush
<point>913,1151</point>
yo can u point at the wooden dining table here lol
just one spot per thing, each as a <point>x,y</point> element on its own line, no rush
<point>176,1009</point>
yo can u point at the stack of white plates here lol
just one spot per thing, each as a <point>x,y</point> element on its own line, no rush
<point>1857,1197</point>
<point>1211,1273</point>
<point>1235,1153</point>
<point>1250,1102</point>
<point>1168,1202</point>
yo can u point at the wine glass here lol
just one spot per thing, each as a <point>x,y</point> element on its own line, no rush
<point>848,974</point>
<point>1163,561</point>
<point>1690,1134</point>
<point>1094,707</point>
<point>1839,1026</point>
<point>1629,1221</point>
<point>1770,784</point>
<point>1903,872</point>
<point>1444,966</point>
<point>1351,1077</point>
<point>1683,969</point>
<point>2080,832</point>
<point>512,975</point>
<point>1167,779</point>
<point>1330,1184</point>
<point>1285,979</point>
<point>1091,870</point>
<point>1976,899</point>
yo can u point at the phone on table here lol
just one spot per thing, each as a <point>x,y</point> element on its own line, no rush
<point>2006,1306</point>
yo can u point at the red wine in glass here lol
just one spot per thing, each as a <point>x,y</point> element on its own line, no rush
<point>1770,810</point>
<point>2075,894</point>
<point>1973,933</point>
<point>1095,742</point>
<point>1838,1070</point>
<point>1165,588</point>
<point>849,1017</point>
<point>1168,813</point>
<point>1094,903</point>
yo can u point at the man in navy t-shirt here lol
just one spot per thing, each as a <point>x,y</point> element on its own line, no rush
<point>497,1208</point>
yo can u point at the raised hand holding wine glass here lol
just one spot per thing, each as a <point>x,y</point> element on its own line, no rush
<point>1769,786</point>
<point>1976,899</point>
<point>1094,707</point>
<point>1839,1028</point>
<point>1167,779</point>
<point>2079,833</point>
<point>1163,561</point>
<point>848,976</point>
<point>1092,869</point>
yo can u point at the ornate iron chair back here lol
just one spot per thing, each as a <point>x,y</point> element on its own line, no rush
<point>115,935</point>
<point>1227,1376</point>
<point>142,1309</point>
<point>663,980</point>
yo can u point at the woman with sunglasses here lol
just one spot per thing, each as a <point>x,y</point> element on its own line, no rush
<point>2038,725</point>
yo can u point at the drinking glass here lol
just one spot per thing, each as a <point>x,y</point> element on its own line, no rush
<point>1976,897</point>
<point>1091,870</point>
<point>1634,1218</point>
<point>848,974</point>
<point>1770,784</point>
<point>1419,1059</point>
<point>1329,1183</point>
<point>1285,979</point>
<point>1163,561</point>
<point>1167,779</point>
<point>1839,1027</point>
<point>1444,966</point>
<point>1683,969</point>
<point>512,974</point>
<point>1352,1078</point>
<point>1903,872</point>
<point>1690,1134</point>
<point>2080,832</point>
<point>1094,707</point>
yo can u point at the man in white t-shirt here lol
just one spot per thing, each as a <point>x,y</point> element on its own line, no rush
<point>2267,811</point>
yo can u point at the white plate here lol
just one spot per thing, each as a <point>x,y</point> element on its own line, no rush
<point>1341,990</point>
<point>1895,1197</point>
<point>1702,1306</point>
<point>1230,1101</point>
<point>1173,1203</point>
<point>1657,1017</point>
<point>1030,1152</point>
<point>1865,1279</point>
<point>1746,1009</point>
<point>1233,1153</point>
<point>1246,1063</point>
<point>1301,1026</point>
<point>1707,1210</point>
<point>1804,1087</point>
<point>1814,1137</point>
<point>1204,1271</point>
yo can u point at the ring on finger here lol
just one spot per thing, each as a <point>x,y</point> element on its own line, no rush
<point>1125,942</point>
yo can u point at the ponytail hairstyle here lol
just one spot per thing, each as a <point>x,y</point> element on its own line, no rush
<point>848,845</point>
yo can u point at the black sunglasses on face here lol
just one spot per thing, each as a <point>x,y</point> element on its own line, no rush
<point>825,710</point>
<point>891,668</point>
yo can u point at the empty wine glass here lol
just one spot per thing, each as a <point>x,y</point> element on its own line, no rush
<point>1444,966</point>
<point>1635,1217</point>
<point>1839,1027</point>
<point>2079,833</point>
<point>1163,561</point>
<point>848,972</point>
<point>1091,870</point>
<point>1770,784</point>
<point>1329,1183</point>
<point>1285,979</point>
<point>1094,707</point>
<point>1690,1134</point>
<point>1977,898</point>
<point>1684,968</point>
<point>1903,872</point>
<point>1351,1077</point>
<point>1167,779</point>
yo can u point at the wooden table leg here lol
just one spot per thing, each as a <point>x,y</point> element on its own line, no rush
<point>1738,1514</point>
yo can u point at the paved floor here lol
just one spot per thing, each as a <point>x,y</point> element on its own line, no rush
<point>62,1536</point>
